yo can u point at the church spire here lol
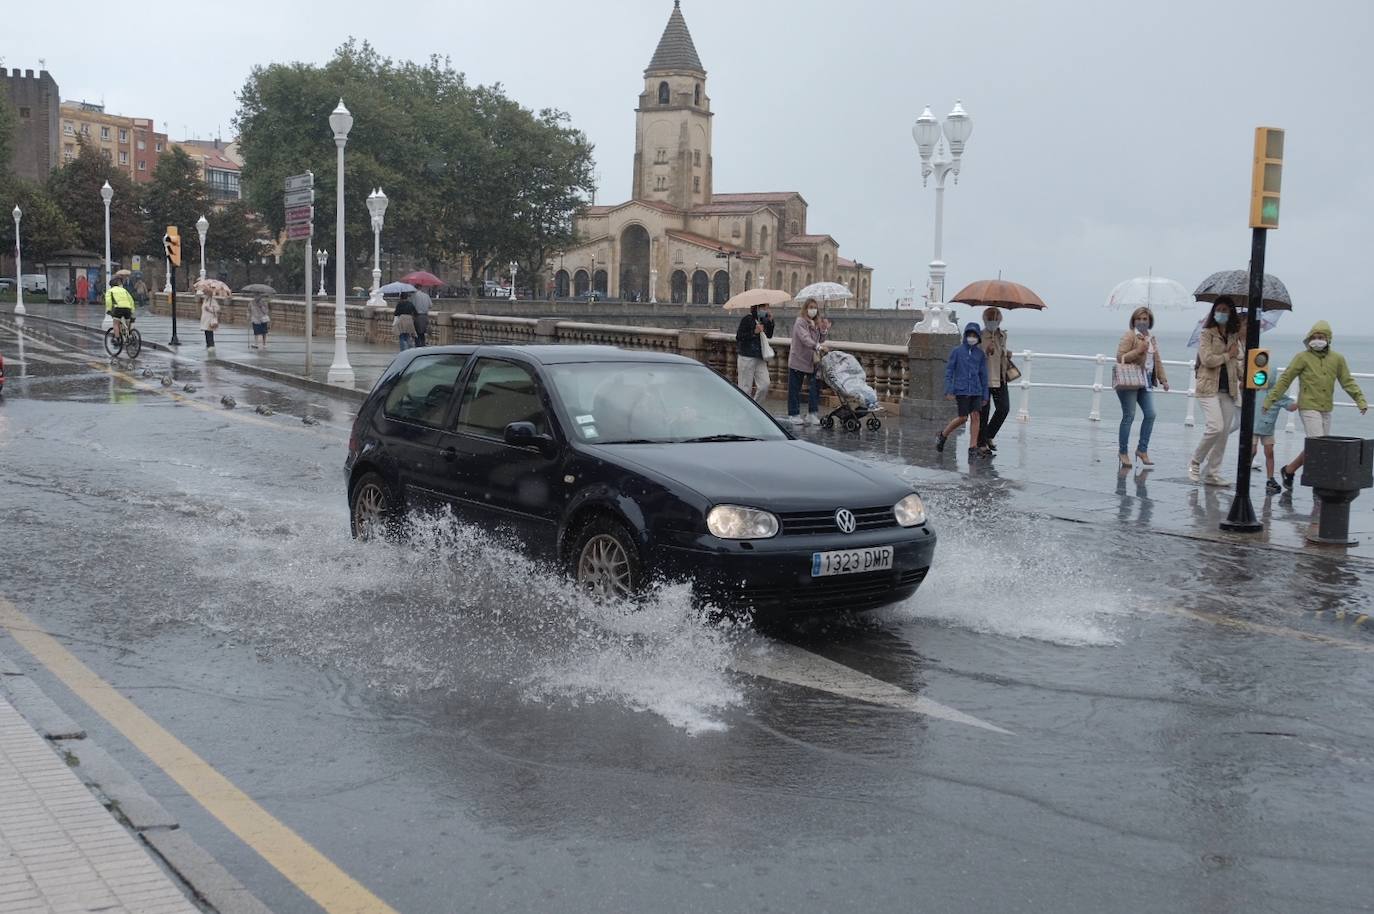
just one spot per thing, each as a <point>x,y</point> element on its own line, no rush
<point>675,49</point>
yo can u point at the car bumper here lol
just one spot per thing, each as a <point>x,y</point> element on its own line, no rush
<point>773,577</point>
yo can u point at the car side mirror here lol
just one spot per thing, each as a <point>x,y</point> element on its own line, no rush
<point>524,434</point>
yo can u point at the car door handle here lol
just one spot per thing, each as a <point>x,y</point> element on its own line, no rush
<point>450,454</point>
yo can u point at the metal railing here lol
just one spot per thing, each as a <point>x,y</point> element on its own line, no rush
<point>1025,361</point>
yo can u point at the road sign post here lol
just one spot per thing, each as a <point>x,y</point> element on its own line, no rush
<point>299,201</point>
<point>171,244</point>
<point>1265,179</point>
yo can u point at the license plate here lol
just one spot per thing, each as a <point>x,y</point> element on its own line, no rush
<point>851,561</point>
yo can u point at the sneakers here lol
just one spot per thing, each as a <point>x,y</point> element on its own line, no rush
<point>1215,479</point>
<point>1194,471</point>
<point>1287,478</point>
<point>811,419</point>
<point>1272,487</point>
<point>940,442</point>
<point>793,420</point>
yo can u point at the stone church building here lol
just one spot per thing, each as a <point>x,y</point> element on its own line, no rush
<point>676,239</point>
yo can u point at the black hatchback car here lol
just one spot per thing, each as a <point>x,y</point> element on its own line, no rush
<point>627,468</point>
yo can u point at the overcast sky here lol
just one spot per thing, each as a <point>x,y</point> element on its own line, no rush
<point>1109,137</point>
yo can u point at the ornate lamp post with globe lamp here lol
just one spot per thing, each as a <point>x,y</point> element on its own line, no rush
<point>107,194</point>
<point>514,268</point>
<point>941,150</point>
<point>376,206</point>
<point>340,372</point>
<point>202,229</point>
<point>322,258</point>
<point>19,309</point>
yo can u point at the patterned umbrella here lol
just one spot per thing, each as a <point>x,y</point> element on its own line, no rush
<point>1236,284</point>
<point>396,288</point>
<point>212,288</point>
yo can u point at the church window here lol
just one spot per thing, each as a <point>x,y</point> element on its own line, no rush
<point>661,156</point>
<point>696,96</point>
<point>696,157</point>
<point>763,240</point>
<point>778,283</point>
<point>696,182</point>
<point>663,96</point>
<point>660,182</point>
<point>792,227</point>
<point>734,230</point>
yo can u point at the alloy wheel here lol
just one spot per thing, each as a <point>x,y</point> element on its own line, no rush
<point>604,567</point>
<point>369,510</point>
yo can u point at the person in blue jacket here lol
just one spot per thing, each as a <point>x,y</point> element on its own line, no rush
<point>966,383</point>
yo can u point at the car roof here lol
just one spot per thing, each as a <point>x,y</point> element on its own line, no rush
<point>564,355</point>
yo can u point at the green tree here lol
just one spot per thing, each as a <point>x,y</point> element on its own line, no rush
<point>75,190</point>
<point>175,196</point>
<point>44,229</point>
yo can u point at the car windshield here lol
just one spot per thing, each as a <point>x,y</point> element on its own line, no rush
<point>655,402</point>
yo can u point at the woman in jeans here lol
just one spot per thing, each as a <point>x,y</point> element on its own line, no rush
<point>808,341</point>
<point>1218,368</point>
<point>1139,347</point>
<point>999,364</point>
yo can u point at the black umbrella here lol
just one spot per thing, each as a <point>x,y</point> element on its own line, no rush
<point>1236,284</point>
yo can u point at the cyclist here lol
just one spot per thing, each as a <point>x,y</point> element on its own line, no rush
<point>119,304</point>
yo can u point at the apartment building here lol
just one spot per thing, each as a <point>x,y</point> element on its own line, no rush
<point>132,143</point>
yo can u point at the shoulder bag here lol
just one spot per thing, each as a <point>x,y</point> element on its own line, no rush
<point>1126,376</point>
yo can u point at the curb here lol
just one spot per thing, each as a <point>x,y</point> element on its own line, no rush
<point>271,374</point>
<point>204,880</point>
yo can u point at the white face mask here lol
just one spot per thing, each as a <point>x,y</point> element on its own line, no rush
<point>971,340</point>
<point>1318,345</point>
<point>811,313</point>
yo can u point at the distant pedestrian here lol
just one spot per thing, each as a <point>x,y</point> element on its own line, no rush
<point>754,328</point>
<point>966,383</point>
<point>1316,369</point>
<point>140,292</point>
<point>97,291</point>
<point>83,289</point>
<point>260,314</point>
<point>209,321</point>
<point>1218,371</point>
<point>809,333</point>
<point>1140,348</point>
<point>421,300</point>
<point>1264,433</point>
<point>404,322</point>
<point>999,367</point>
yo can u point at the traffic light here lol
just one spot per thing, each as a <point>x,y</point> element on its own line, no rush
<point>171,242</point>
<point>1257,369</point>
<point>1266,177</point>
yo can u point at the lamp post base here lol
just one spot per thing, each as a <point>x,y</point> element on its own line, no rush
<point>20,310</point>
<point>341,376</point>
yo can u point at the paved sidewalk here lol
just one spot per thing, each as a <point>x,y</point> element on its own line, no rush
<point>60,849</point>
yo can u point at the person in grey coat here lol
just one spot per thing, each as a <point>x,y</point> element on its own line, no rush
<point>261,318</point>
<point>422,303</point>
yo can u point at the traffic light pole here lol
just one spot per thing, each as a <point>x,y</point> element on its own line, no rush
<point>1242,517</point>
<point>174,341</point>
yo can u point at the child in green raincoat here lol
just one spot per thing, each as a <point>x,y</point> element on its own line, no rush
<point>1317,369</point>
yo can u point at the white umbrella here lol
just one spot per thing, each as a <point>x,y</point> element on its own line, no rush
<point>824,291</point>
<point>746,300</point>
<point>1153,292</point>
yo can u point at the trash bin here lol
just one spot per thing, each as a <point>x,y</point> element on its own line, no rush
<point>1336,469</point>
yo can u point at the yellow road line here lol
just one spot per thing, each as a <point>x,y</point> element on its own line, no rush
<point>1264,629</point>
<point>292,856</point>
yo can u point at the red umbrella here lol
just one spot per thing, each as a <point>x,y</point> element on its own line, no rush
<point>999,293</point>
<point>421,278</point>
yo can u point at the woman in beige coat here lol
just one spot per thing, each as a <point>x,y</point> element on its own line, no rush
<point>209,320</point>
<point>1219,368</point>
<point>999,366</point>
<point>1139,347</point>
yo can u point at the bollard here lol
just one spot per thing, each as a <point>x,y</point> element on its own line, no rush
<point>1336,469</point>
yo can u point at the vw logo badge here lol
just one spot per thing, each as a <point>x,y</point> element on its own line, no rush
<point>844,519</point>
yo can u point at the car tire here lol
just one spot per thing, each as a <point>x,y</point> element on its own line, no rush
<point>605,560</point>
<point>373,508</point>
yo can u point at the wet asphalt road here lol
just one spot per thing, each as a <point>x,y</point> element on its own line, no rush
<point>460,731</point>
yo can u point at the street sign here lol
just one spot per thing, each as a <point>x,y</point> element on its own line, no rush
<point>137,263</point>
<point>297,231</point>
<point>300,214</point>
<point>300,182</point>
<point>303,197</point>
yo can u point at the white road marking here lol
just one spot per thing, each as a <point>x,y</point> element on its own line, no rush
<point>790,664</point>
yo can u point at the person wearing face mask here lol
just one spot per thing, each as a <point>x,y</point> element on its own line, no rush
<point>808,340</point>
<point>1218,370</point>
<point>754,328</point>
<point>1316,369</point>
<point>1139,347</point>
<point>966,383</point>
<point>999,366</point>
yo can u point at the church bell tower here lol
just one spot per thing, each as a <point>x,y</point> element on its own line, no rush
<point>673,123</point>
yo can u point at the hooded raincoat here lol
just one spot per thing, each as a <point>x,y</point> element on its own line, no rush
<point>1317,374</point>
<point>966,372</point>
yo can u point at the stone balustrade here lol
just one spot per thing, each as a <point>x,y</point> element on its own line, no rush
<point>904,377</point>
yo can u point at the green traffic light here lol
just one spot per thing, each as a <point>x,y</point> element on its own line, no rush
<point>1269,211</point>
<point>1261,378</point>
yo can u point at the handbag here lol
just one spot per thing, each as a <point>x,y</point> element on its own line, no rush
<point>765,349</point>
<point>1126,376</point>
<point>1012,373</point>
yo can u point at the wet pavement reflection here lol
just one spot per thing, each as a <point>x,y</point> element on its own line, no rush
<point>1174,721</point>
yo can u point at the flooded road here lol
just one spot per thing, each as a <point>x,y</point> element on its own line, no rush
<point>1066,717</point>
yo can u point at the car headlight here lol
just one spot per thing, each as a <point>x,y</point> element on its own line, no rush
<point>910,511</point>
<point>731,522</point>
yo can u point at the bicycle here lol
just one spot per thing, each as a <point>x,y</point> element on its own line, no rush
<point>128,340</point>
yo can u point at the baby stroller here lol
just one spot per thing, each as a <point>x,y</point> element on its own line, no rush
<point>843,374</point>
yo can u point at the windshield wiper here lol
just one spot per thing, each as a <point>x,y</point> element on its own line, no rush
<point>704,439</point>
<point>627,441</point>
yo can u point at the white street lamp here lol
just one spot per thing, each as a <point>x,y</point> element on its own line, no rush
<point>376,205</point>
<point>941,151</point>
<point>341,373</point>
<point>202,229</point>
<point>107,194</point>
<point>322,258</point>
<point>653,272</point>
<point>19,309</point>
<point>514,268</point>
